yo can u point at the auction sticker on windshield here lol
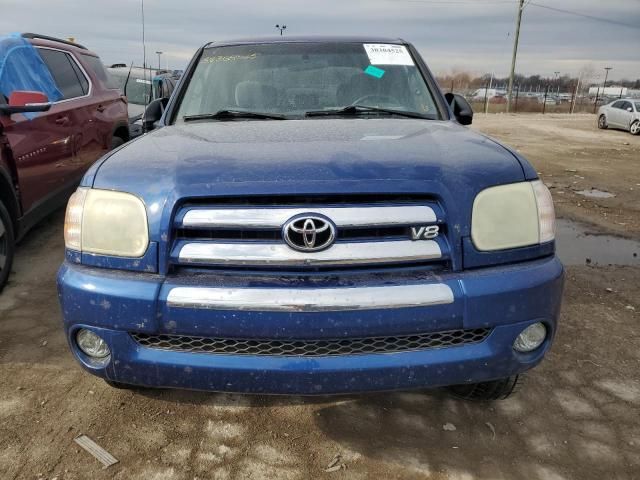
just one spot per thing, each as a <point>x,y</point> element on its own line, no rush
<point>387,54</point>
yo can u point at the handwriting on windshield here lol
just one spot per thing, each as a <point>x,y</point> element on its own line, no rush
<point>228,58</point>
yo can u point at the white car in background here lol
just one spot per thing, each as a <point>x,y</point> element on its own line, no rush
<point>623,114</point>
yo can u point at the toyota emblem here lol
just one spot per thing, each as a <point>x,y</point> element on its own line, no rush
<point>309,232</point>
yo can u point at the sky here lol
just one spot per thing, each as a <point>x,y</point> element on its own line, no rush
<point>452,35</point>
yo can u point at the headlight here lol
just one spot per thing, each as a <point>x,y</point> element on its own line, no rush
<point>107,223</point>
<point>511,216</point>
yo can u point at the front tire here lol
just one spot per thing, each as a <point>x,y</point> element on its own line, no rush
<point>635,128</point>
<point>602,122</point>
<point>7,245</point>
<point>487,391</point>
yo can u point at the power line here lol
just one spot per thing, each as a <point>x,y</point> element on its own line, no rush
<point>527,3</point>
<point>459,2</point>
<point>583,15</point>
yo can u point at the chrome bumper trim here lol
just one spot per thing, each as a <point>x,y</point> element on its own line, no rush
<point>310,299</point>
<point>270,217</point>
<point>276,254</point>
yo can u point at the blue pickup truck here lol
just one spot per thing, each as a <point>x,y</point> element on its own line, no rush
<point>311,216</point>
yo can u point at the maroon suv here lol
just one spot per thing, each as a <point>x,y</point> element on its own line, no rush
<point>43,159</point>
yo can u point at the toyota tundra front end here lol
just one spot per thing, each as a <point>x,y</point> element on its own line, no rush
<point>309,216</point>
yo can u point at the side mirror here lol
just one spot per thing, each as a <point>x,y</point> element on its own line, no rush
<point>629,109</point>
<point>22,101</point>
<point>461,108</point>
<point>153,113</point>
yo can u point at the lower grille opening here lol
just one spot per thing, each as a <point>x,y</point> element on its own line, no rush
<point>312,348</point>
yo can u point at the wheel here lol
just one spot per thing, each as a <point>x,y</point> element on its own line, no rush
<point>635,128</point>
<point>486,391</point>
<point>602,122</point>
<point>7,245</point>
<point>116,142</point>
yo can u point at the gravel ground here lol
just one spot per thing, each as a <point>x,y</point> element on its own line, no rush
<point>577,416</point>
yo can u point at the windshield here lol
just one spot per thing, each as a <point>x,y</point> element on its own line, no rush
<point>293,78</point>
<point>138,88</point>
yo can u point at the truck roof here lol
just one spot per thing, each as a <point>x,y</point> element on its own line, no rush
<point>305,39</point>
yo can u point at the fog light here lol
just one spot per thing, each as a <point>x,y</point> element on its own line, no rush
<point>530,338</point>
<point>92,344</point>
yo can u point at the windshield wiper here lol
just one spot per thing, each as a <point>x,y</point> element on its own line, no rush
<point>231,114</point>
<point>364,110</point>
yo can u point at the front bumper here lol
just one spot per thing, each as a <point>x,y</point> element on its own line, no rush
<point>505,299</point>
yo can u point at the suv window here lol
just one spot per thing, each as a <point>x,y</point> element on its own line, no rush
<point>66,73</point>
<point>96,65</point>
<point>83,80</point>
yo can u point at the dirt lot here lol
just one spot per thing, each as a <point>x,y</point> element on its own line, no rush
<point>576,417</point>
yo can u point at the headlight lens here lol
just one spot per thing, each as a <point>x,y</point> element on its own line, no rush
<point>107,223</point>
<point>511,216</point>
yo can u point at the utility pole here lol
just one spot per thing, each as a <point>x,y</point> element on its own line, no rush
<point>606,75</point>
<point>604,86</point>
<point>159,53</point>
<point>557,79</point>
<point>486,95</point>
<point>281,28</point>
<point>575,94</point>
<point>144,55</point>
<point>515,53</point>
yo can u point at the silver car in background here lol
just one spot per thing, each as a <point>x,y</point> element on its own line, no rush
<point>623,114</point>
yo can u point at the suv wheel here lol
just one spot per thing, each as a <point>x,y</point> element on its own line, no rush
<point>7,245</point>
<point>486,391</point>
<point>602,122</point>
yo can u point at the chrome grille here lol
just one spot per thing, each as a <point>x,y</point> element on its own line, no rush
<point>245,235</point>
<point>381,215</point>
<point>312,348</point>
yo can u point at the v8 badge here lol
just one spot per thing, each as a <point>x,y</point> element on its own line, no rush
<point>425,233</point>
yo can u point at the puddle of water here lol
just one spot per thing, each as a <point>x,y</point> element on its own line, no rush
<point>576,246</point>
<point>595,193</point>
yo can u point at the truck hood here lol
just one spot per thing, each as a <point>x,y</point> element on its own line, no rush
<point>321,156</point>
